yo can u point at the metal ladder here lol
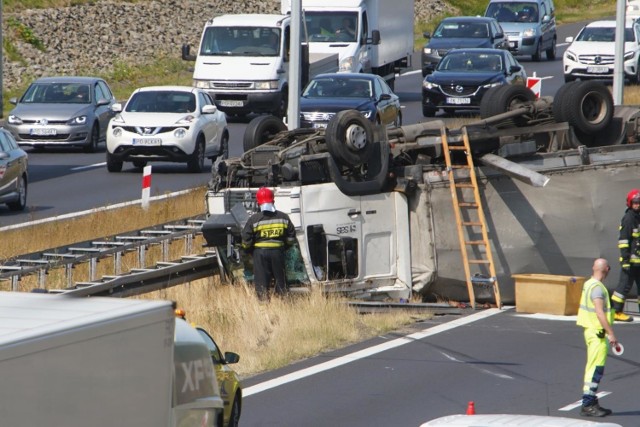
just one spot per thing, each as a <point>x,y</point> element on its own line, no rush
<point>470,219</point>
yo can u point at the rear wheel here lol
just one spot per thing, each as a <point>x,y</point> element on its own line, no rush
<point>195,164</point>
<point>558,101</point>
<point>92,145</point>
<point>260,130</point>
<point>349,138</point>
<point>21,203</point>
<point>588,107</point>
<point>113,165</point>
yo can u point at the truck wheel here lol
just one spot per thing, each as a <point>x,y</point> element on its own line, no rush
<point>510,97</point>
<point>113,165</point>
<point>195,164</point>
<point>487,105</point>
<point>559,100</point>
<point>588,106</point>
<point>349,138</point>
<point>260,130</point>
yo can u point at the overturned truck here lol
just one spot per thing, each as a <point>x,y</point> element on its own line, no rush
<point>373,206</point>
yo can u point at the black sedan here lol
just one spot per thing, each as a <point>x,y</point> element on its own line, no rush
<point>327,94</point>
<point>463,76</point>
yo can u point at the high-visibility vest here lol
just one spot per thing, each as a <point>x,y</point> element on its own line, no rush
<point>587,312</point>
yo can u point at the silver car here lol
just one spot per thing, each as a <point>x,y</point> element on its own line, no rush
<point>62,111</point>
<point>13,173</point>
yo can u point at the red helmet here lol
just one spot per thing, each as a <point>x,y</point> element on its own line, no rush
<point>633,195</point>
<point>264,195</point>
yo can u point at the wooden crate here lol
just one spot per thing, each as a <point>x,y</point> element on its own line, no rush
<point>547,293</point>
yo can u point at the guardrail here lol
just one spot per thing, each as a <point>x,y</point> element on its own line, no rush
<point>164,273</point>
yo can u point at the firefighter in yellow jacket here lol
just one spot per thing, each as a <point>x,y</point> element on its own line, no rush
<point>266,235</point>
<point>595,316</point>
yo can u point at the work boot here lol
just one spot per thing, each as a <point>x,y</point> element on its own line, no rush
<point>622,317</point>
<point>594,411</point>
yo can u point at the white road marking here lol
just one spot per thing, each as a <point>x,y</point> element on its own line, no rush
<point>93,166</point>
<point>361,354</point>
<point>577,404</point>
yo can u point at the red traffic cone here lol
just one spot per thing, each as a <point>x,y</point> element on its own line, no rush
<point>471,408</point>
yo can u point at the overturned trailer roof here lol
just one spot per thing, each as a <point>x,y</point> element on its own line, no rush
<point>553,175</point>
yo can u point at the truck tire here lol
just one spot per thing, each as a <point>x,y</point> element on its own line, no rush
<point>588,107</point>
<point>558,102</point>
<point>349,138</point>
<point>260,130</point>
<point>487,104</point>
<point>509,97</point>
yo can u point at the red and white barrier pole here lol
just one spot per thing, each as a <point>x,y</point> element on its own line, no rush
<point>146,186</point>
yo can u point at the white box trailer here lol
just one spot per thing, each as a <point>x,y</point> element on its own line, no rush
<point>383,43</point>
<point>78,362</point>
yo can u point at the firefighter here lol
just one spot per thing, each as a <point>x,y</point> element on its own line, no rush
<point>629,245</point>
<point>595,316</point>
<point>266,235</point>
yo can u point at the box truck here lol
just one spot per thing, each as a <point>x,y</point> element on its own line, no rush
<point>99,361</point>
<point>370,36</point>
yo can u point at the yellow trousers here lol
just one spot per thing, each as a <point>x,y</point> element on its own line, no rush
<point>597,348</point>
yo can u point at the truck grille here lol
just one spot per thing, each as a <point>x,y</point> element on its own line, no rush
<point>232,85</point>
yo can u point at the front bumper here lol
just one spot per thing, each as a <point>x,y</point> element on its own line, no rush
<point>53,134</point>
<point>519,45</point>
<point>164,146</point>
<point>247,102</point>
<point>579,70</point>
<point>445,99</point>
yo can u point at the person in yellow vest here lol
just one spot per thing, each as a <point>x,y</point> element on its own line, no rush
<point>596,317</point>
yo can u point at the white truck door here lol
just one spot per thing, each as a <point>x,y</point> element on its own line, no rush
<point>378,221</point>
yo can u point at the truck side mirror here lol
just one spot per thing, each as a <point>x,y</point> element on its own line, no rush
<point>186,53</point>
<point>375,37</point>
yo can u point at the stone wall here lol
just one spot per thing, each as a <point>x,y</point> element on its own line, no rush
<point>94,37</point>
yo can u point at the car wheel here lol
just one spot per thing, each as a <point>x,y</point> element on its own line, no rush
<point>195,164</point>
<point>284,104</point>
<point>588,107</point>
<point>428,111</point>
<point>551,52</point>
<point>537,55</point>
<point>349,138</point>
<point>113,165</point>
<point>510,97</point>
<point>21,203</point>
<point>558,102</point>
<point>139,164</point>
<point>224,147</point>
<point>234,417</point>
<point>93,140</point>
<point>260,130</point>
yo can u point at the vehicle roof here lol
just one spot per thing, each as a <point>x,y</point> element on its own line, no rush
<point>468,18</point>
<point>167,88</point>
<point>513,420</point>
<point>515,1</point>
<point>348,75</point>
<point>608,23</point>
<point>68,79</point>
<point>248,20</point>
<point>478,50</point>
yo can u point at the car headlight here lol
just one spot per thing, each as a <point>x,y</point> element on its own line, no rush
<point>629,55</point>
<point>427,51</point>
<point>79,120</point>
<point>494,84</point>
<point>347,64</point>
<point>201,84</point>
<point>266,85</point>
<point>180,133</point>
<point>117,132</point>
<point>429,85</point>
<point>529,32</point>
<point>367,114</point>
<point>570,56</point>
<point>14,120</point>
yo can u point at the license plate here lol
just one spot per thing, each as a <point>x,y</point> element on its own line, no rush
<point>458,101</point>
<point>597,69</point>
<point>319,125</point>
<point>43,131</point>
<point>147,141</point>
<point>231,103</point>
<point>513,45</point>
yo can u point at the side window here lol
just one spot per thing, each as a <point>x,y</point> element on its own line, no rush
<point>379,88</point>
<point>105,90</point>
<point>4,145</point>
<point>99,93</point>
<point>543,10</point>
<point>364,28</point>
<point>203,99</point>
<point>211,345</point>
<point>208,99</point>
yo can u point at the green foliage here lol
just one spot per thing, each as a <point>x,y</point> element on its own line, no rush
<point>11,51</point>
<point>25,33</point>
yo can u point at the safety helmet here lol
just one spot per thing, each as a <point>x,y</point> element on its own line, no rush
<point>264,195</point>
<point>633,195</point>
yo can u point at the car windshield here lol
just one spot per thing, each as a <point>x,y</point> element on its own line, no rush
<point>162,102</point>
<point>241,41</point>
<point>471,62</point>
<point>603,34</point>
<point>57,93</point>
<point>338,88</point>
<point>461,30</point>
<point>513,11</point>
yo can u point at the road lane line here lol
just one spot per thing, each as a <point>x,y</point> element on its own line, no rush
<point>361,354</point>
<point>577,404</point>
<point>93,166</point>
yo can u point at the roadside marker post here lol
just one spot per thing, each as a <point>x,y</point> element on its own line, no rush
<point>146,187</point>
<point>535,84</point>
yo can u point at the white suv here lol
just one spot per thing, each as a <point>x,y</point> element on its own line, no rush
<point>591,54</point>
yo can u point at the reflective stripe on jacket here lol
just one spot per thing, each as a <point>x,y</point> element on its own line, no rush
<point>629,240</point>
<point>587,312</point>
<point>268,230</point>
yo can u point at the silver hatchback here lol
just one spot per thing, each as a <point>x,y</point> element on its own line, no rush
<point>62,111</point>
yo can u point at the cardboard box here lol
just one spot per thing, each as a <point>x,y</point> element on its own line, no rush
<point>547,293</point>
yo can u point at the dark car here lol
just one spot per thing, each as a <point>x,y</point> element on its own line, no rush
<point>460,32</point>
<point>328,94</point>
<point>62,111</point>
<point>464,75</point>
<point>13,173</point>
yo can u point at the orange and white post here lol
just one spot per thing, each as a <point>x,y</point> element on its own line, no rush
<point>146,186</point>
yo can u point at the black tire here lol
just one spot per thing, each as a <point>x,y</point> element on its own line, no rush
<point>349,138</point>
<point>551,52</point>
<point>398,121</point>
<point>224,147</point>
<point>569,78</point>
<point>636,77</point>
<point>559,100</point>
<point>284,104</point>
<point>509,97</point>
<point>588,107</point>
<point>113,165</point>
<point>537,55</point>
<point>260,130</point>
<point>21,203</point>
<point>139,164</point>
<point>487,104</point>
<point>195,164</point>
<point>234,417</point>
<point>92,146</point>
<point>429,111</point>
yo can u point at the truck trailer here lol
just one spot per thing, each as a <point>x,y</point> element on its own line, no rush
<point>383,40</point>
<point>99,361</point>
